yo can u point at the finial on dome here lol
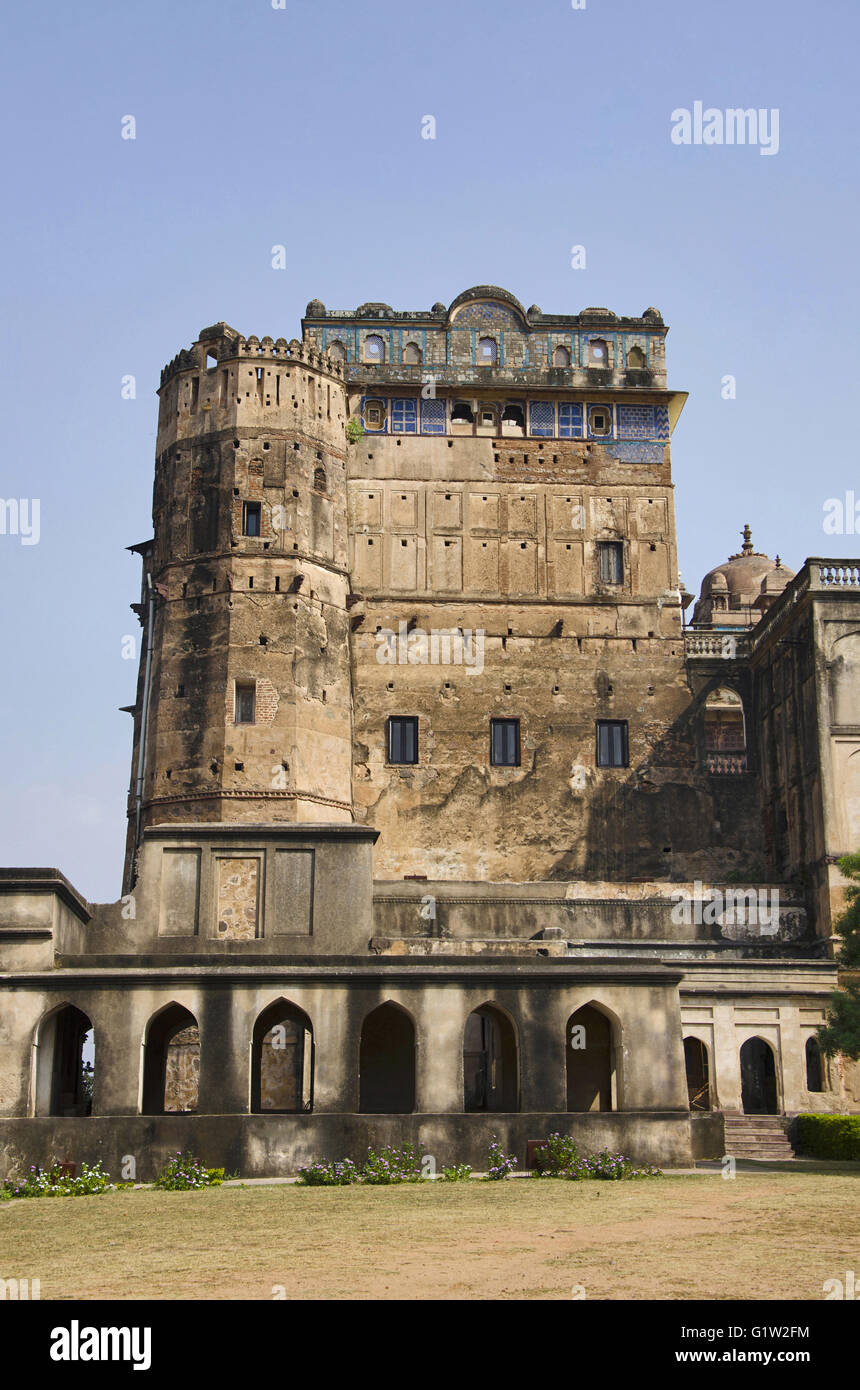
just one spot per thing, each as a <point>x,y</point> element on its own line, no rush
<point>747,545</point>
<point>778,563</point>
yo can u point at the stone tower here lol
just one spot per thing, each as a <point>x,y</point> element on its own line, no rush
<point>243,709</point>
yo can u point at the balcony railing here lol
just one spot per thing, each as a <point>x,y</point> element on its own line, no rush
<point>727,764</point>
<point>725,646</point>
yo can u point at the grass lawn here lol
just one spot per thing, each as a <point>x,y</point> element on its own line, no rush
<point>765,1234</point>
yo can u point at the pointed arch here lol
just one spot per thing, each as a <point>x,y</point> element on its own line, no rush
<point>64,1048</point>
<point>759,1092</point>
<point>386,1061</point>
<point>171,1062</point>
<point>697,1065</point>
<point>282,1060</point>
<point>490,1060</point>
<point>592,1049</point>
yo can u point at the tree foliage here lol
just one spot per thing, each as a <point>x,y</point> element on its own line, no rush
<point>841,1030</point>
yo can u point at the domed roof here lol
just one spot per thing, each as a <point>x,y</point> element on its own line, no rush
<point>738,581</point>
<point>315,309</point>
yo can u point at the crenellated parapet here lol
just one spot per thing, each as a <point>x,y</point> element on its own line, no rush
<point>221,344</point>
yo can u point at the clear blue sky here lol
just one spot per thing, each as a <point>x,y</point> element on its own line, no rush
<point>301,126</point>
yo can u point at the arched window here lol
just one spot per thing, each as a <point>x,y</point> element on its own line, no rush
<point>374,348</point>
<point>412,354</point>
<point>386,1063</point>
<point>336,351</point>
<point>514,417</point>
<point>814,1066</point>
<point>490,1079</point>
<point>488,352</point>
<point>461,413</point>
<point>171,1063</point>
<point>698,1071</point>
<point>65,1063</point>
<point>561,357</point>
<point>282,1061</point>
<point>590,1050</point>
<point>598,353</point>
<point>636,359</point>
<point>758,1078</point>
<point>319,478</point>
<point>725,734</point>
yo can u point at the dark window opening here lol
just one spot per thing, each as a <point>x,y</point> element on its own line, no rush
<point>462,413</point>
<point>245,703</point>
<point>612,743</point>
<point>252,519</point>
<point>403,739</point>
<point>505,742</point>
<point>610,561</point>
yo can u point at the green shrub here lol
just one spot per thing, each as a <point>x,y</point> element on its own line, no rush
<point>501,1164</point>
<point>184,1173</point>
<point>458,1172</point>
<point>392,1165</point>
<point>354,431</point>
<point>558,1155</point>
<point>54,1183</point>
<point>608,1167</point>
<point>829,1136</point>
<point>341,1173</point>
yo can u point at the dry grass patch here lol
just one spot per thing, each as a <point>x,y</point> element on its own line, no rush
<point>765,1234</point>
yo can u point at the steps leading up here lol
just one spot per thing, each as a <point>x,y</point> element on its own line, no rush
<point>757,1136</point>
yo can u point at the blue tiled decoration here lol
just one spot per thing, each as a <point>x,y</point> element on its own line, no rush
<point>542,418</point>
<point>662,421</point>
<point>340,335</point>
<point>607,409</point>
<point>636,422</point>
<point>432,417</point>
<point>374,429</point>
<point>404,416</point>
<point>636,452</point>
<point>570,420</point>
<point>487,315</point>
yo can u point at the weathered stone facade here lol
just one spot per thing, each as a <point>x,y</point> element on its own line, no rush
<point>437,810</point>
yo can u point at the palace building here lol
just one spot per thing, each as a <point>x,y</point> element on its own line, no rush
<point>443,821</point>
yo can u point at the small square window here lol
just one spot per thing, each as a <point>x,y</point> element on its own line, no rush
<point>251,519</point>
<point>505,742</point>
<point>246,700</point>
<point>612,749</point>
<point>403,739</point>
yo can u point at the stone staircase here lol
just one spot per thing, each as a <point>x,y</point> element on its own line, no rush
<point>757,1136</point>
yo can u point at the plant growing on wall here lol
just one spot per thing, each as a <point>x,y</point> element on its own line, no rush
<point>841,1029</point>
<point>354,431</point>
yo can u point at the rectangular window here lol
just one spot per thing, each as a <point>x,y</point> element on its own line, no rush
<point>612,743</point>
<point>610,560</point>
<point>570,421</point>
<point>505,742</point>
<point>403,739</point>
<point>404,417</point>
<point>542,418</point>
<point>432,416</point>
<point>251,518</point>
<point>246,700</point>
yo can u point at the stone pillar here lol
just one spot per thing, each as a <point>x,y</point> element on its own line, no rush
<point>225,1056</point>
<point>727,1067</point>
<point>337,1031</point>
<point>791,1059</point>
<point>439,1056</point>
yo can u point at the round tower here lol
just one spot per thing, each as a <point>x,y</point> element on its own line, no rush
<point>243,710</point>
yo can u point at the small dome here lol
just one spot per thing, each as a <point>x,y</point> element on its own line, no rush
<point>535,311</point>
<point>741,579</point>
<point>315,309</point>
<point>652,313</point>
<point>439,308</point>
